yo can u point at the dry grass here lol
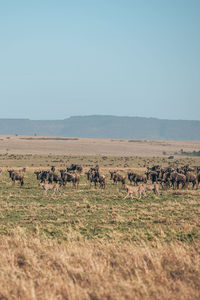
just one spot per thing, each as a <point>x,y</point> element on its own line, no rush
<point>32,267</point>
<point>91,243</point>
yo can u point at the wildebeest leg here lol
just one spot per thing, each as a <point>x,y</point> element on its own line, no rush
<point>193,184</point>
<point>174,185</point>
<point>95,184</point>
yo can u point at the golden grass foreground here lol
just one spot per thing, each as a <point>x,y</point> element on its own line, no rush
<point>93,244</point>
<point>32,267</point>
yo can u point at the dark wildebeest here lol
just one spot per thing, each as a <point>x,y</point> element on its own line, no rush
<point>131,177</point>
<point>52,177</point>
<point>102,181</point>
<point>97,178</point>
<point>70,177</point>
<point>16,177</point>
<point>91,176</point>
<point>193,178</point>
<point>37,173</point>
<point>42,175</point>
<point>177,179</point>
<point>75,167</point>
<point>140,178</point>
<point>116,177</point>
<point>198,178</point>
<point>94,176</point>
<point>165,182</point>
<point>153,176</point>
<point>53,169</point>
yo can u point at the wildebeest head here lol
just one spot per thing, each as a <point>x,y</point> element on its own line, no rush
<point>10,172</point>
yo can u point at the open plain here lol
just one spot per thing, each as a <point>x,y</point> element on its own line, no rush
<point>91,146</point>
<point>91,243</point>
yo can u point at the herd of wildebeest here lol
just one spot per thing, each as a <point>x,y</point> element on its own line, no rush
<point>160,178</point>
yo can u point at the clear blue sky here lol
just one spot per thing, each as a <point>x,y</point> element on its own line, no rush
<point>116,57</point>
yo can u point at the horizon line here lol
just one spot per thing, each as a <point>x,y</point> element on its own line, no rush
<point>98,115</point>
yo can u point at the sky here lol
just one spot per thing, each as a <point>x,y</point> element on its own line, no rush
<point>60,58</point>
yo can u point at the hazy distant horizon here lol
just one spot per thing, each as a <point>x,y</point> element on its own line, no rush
<point>97,115</point>
<point>125,58</point>
<point>105,127</point>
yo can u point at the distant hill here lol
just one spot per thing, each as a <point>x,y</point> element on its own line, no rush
<point>105,127</point>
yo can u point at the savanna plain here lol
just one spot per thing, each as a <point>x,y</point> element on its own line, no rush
<point>91,243</point>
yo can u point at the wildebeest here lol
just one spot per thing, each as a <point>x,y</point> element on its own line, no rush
<point>70,177</point>
<point>42,175</point>
<point>136,178</point>
<point>152,175</point>
<point>94,176</point>
<point>140,178</point>
<point>131,176</point>
<point>37,173</point>
<point>53,168</point>
<point>165,182</point>
<point>75,167</point>
<point>177,179</point>
<point>16,177</point>
<point>98,178</point>
<point>193,178</point>
<point>116,177</point>
<point>52,177</point>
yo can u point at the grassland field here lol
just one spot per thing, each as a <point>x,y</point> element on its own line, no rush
<point>91,243</point>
